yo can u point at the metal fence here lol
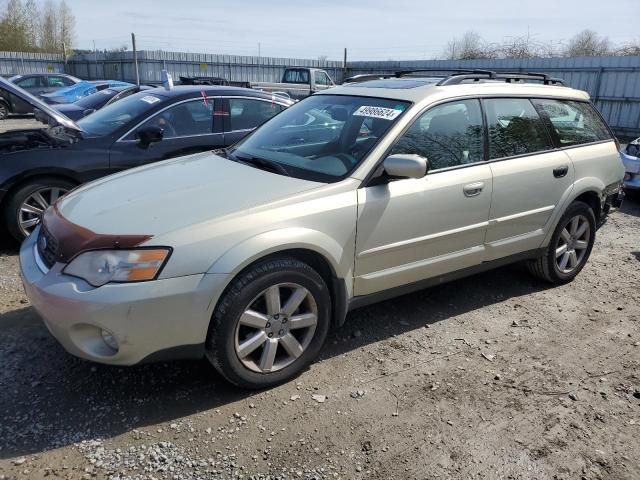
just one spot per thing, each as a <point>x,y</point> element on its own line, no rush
<point>12,63</point>
<point>120,66</point>
<point>612,82</point>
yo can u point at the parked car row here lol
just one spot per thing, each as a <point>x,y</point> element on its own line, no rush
<point>40,165</point>
<point>54,89</point>
<point>249,255</point>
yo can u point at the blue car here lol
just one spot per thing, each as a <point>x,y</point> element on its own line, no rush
<point>75,92</point>
<point>630,156</point>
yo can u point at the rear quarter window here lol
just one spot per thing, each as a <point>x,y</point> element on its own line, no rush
<point>573,123</point>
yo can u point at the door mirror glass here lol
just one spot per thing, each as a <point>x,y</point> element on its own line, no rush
<point>401,165</point>
<point>148,135</point>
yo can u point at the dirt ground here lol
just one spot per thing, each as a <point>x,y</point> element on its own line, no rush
<point>496,376</point>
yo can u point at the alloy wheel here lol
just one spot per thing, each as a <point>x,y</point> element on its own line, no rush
<point>573,244</point>
<point>276,327</point>
<point>34,206</point>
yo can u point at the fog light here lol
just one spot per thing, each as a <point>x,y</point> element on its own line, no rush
<point>109,339</point>
<point>627,177</point>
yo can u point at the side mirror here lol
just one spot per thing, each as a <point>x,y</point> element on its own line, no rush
<point>88,111</point>
<point>405,165</point>
<point>148,135</point>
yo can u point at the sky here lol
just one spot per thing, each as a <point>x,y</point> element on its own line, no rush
<point>369,29</point>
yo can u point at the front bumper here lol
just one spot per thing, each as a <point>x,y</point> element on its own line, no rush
<point>147,319</point>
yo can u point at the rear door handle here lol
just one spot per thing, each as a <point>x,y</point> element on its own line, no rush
<point>473,189</point>
<point>560,172</point>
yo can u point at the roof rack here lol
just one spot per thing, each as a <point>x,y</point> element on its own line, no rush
<point>365,77</point>
<point>460,75</point>
<point>509,77</point>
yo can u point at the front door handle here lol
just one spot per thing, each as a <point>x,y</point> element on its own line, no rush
<point>560,172</point>
<point>473,189</point>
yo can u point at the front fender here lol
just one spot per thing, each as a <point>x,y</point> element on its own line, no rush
<point>266,243</point>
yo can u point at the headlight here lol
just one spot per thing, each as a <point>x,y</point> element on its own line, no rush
<point>99,267</point>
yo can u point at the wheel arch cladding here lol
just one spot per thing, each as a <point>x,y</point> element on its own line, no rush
<point>316,249</point>
<point>588,190</point>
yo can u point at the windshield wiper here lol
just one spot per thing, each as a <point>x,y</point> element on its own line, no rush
<point>261,163</point>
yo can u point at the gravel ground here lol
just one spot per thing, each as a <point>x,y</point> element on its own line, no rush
<point>494,376</point>
<point>16,122</point>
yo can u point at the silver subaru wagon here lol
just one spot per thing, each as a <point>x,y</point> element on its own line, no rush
<point>376,188</point>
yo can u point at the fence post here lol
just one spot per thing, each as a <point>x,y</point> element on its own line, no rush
<point>344,65</point>
<point>135,58</point>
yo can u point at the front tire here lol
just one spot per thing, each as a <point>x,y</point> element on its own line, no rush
<point>570,246</point>
<point>27,204</point>
<point>4,110</point>
<point>270,323</point>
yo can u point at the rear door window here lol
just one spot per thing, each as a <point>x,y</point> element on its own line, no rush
<point>296,75</point>
<point>247,114</point>
<point>30,82</point>
<point>515,128</point>
<point>573,123</point>
<point>58,81</point>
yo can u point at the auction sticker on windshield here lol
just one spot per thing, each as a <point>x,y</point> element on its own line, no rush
<point>150,99</point>
<point>377,112</point>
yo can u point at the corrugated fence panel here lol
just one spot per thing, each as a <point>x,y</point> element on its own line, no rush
<point>120,66</point>
<point>612,82</point>
<point>13,63</point>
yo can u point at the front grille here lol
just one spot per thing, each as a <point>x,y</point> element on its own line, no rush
<point>47,247</point>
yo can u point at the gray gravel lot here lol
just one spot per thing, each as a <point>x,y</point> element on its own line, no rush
<point>493,376</point>
<point>15,122</point>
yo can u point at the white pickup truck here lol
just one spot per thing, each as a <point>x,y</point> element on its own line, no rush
<point>297,83</point>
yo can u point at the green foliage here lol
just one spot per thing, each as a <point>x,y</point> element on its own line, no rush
<point>27,27</point>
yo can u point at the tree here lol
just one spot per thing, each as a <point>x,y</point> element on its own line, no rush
<point>631,48</point>
<point>49,28</point>
<point>470,46</point>
<point>24,27</point>
<point>32,22</point>
<point>588,43</point>
<point>525,47</point>
<point>66,25</point>
<point>13,27</point>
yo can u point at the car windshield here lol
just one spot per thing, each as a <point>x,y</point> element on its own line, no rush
<point>96,100</point>
<point>110,118</point>
<point>323,137</point>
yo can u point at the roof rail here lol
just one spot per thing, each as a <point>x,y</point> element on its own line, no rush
<point>509,77</point>
<point>459,75</point>
<point>365,77</point>
<point>405,73</point>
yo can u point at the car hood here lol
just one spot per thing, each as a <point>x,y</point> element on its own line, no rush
<point>68,107</point>
<point>171,195</point>
<point>57,117</point>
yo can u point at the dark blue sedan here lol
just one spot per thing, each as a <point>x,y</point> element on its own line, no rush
<point>38,165</point>
<point>95,101</point>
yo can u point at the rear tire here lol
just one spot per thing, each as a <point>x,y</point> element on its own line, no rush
<point>269,324</point>
<point>570,246</point>
<point>26,205</point>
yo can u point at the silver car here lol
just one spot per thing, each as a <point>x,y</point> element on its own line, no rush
<point>252,254</point>
<point>630,156</point>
